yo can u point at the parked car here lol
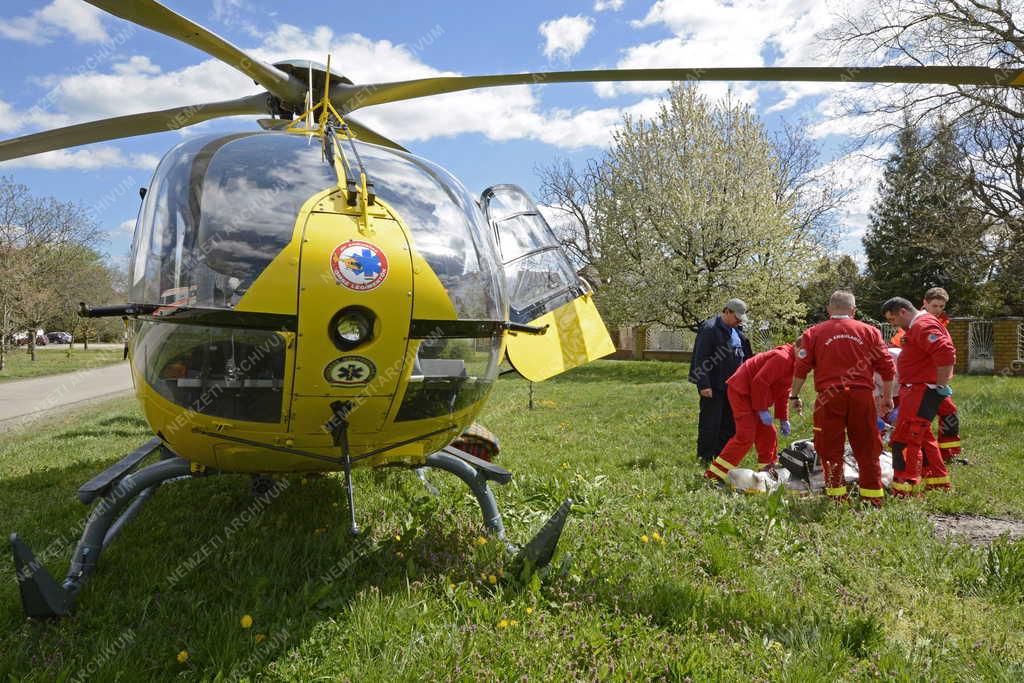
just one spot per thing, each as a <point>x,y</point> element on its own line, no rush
<point>59,337</point>
<point>21,338</point>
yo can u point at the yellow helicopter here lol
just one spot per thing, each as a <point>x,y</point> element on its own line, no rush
<point>344,304</point>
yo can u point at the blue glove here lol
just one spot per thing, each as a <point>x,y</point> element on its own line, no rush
<point>893,416</point>
<point>944,390</point>
<point>766,417</point>
<point>881,424</point>
<point>785,427</point>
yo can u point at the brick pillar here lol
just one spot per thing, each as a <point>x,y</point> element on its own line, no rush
<point>616,335</point>
<point>639,341</point>
<point>1004,347</point>
<point>959,330</point>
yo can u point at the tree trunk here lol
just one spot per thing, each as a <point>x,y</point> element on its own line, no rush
<point>3,354</point>
<point>85,341</point>
<point>32,344</point>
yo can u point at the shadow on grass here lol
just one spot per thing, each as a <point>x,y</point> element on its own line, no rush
<point>645,372</point>
<point>201,554</point>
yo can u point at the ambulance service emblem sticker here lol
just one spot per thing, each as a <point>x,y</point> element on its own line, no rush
<point>349,371</point>
<point>933,338</point>
<point>359,266</point>
<point>802,353</point>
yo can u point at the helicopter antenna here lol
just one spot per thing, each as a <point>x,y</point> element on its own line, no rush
<point>329,122</point>
<point>309,100</point>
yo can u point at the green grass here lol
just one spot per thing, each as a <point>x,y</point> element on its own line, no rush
<point>52,360</point>
<point>742,588</point>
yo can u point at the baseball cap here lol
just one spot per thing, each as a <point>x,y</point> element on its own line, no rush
<point>738,307</point>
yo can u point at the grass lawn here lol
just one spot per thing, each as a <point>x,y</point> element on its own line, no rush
<point>52,360</point>
<point>732,587</point>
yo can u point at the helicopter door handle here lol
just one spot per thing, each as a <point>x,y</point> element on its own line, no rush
<point>526,329</point>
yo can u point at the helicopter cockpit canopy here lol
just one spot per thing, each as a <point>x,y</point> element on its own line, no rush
<point>220,208</point>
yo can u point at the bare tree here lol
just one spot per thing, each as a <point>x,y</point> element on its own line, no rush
<point>988,121</point>
<point>39,239</point>
<point>807,185</point>
<point>570,193</point>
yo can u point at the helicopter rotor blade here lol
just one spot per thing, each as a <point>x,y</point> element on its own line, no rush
<point>367,134</point>
<point>130,126</point>
<point>352,97</point>
<point>152,15</point>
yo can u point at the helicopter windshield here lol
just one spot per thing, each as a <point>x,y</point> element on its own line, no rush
<point>220,209</point>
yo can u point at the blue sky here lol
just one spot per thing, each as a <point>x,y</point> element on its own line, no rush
<point>68,62</point>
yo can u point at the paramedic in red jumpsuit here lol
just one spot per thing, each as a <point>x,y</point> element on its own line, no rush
<point>925,368</point>
<point>845,354</point>
<point>761,382</point>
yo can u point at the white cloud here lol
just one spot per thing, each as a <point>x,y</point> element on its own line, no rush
<point>91,159</point>
<point>235,14</point>
<point>126,227</point>
<point>565,37</point>
<point>733,33</point>
<point>44,25</point>
<point>613,5</point>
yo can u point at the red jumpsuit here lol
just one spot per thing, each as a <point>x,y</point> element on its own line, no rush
<point>761,382</point>
<point>845,355</point>
<point>927,346</point>
<point>949,419</point>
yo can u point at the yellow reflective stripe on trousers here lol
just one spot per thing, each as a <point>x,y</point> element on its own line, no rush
<point>871,493</point>
<point>717,471</point>
<point>724,464</point>
<point>901,486</point>
<point>936,480</point>
<point>840,491</point>
<point>949,444</point>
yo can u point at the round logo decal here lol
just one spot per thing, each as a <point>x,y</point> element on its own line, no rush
<point>933,338</point>
<point>350,371</point>
<point>802,353</point>
<point>359,266</point>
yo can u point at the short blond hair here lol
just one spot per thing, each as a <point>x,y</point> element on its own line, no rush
<point>936,293</point>
<point>842,300</point>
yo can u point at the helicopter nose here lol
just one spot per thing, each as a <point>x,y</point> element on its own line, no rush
<point>355,304</point>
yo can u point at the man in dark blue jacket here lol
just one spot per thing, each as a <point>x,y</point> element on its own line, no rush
<point>719,351</point>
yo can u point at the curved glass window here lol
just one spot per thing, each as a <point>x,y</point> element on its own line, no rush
<point>539,275</point>
<point>217,213</point>
<point>447,227</point>
<point>218,371</point>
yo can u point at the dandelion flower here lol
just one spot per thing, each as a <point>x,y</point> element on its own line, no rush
<point>451,586</point>
<point>644,538</point>
<point>513,623</point>
<point>480,540</point>
<point>492,579</point>
<point>529,610</point>
<point>503,623</point>
<point>260,638</point>
<point>398,537</point>
<point>246,621</point>
<point>183,656</point>
<point>656,536</point>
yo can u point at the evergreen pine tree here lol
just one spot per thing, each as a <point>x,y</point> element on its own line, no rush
<point>923,230</point>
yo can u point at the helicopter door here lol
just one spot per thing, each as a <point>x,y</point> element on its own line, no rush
<point>543,289</point>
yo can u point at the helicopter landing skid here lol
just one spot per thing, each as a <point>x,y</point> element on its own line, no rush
<point>476,472</point>
<point>121,495</point>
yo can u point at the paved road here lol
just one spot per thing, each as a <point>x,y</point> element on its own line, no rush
<point>23,401</point>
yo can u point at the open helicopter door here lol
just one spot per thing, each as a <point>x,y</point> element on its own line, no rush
<point>543,289</point>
